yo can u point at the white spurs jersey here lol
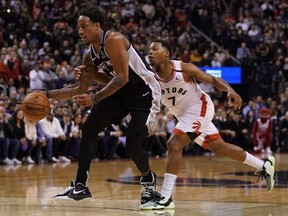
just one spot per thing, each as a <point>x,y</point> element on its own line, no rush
<point>179,94</point>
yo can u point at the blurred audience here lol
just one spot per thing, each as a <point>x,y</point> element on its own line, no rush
<point>40,47</point>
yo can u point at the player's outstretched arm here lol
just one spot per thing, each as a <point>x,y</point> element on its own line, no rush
<point>85,74</point>
<point>192,71</point>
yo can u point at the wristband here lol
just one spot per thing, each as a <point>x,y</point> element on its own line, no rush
<point>95,101</point>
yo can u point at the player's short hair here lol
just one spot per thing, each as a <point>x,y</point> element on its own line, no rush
<point>165,44</point>
<point>94,13</point>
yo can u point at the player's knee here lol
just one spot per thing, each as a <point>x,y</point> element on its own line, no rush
<point>174,146</point>
<point>219,152</point>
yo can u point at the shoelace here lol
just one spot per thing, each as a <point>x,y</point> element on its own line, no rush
<point>69,189</point>
<point>147,192</point>
<point>260,175</point>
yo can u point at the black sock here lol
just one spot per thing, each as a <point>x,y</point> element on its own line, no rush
<point>147,177</point>
<point>82,176</point>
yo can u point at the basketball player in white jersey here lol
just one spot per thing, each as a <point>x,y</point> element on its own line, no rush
<point>194,111</point>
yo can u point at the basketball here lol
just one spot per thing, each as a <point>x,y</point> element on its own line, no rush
<point>35,106</point>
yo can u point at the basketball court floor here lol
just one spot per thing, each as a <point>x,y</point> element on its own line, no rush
<point>207,186</point>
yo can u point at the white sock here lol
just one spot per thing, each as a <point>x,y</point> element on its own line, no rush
<point>253,161</point>
<point>168,185</point>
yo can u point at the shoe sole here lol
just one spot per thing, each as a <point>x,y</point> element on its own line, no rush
<point>71,198</point>
<point>157,212</point>
<point>152,208</point>
<point>62,198</point>
<point>77,198</point>
<point>270,169</point>
<point>157,207</point>
<point>170,206</point>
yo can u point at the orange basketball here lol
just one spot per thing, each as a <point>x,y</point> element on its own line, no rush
<point>35,106</point>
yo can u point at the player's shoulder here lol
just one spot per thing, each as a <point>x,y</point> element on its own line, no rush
<point>113,35</point>
<point>116,39</point>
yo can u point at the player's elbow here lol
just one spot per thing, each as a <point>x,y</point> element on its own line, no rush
<point>122,80</point>
<point>125,79</point>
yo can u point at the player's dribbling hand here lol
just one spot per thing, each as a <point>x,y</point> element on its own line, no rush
<point>85,100</point>
<point>234,100</point>
<point>78,70</point>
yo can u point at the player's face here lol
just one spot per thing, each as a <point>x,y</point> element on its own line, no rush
<point>157,53</point>
<point>86,29</point>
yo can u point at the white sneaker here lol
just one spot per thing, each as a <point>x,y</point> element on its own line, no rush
<point>29,160</point>
<point>158,203</point>
<point>54,159</point>
<point>16,161</point>
<point>64,159</point>
<point>268,172</point>
<point>7,161</point>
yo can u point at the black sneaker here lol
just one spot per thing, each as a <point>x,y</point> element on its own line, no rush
<point>148,191</point>
<point>66,192</point>
<point>79,192</point>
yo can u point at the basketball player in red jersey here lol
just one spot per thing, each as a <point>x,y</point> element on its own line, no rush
<point>194,111</point>
<point>130,88</point>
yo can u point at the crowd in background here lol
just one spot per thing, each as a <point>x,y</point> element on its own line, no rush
<point>40,47</point>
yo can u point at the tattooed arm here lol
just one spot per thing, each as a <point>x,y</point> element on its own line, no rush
<point>116,47</point>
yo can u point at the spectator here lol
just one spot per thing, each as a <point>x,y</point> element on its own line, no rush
<point>149,9</point>
<point>243,53</point>
<point>75,137</point>
<point>45,145</point>
<point>50,77</point>
<point>36,77</point>
<point>8,147</point>
<point>108,142</point>
<point>23,51</point>
<point>26,147</point>
<point>13,64</point>
<point>283,136</point>
<point>52,128</point>
<point>251,106</point>
<point>31,138</point>
<point>4,70</point>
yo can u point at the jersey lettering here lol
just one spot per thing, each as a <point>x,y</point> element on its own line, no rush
<point>174,90</point>
<point>107,67</point>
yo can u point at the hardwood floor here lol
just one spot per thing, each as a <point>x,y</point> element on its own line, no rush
<point>207,186</point>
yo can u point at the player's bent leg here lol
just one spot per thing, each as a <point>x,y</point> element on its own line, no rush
<point>221,148</point>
